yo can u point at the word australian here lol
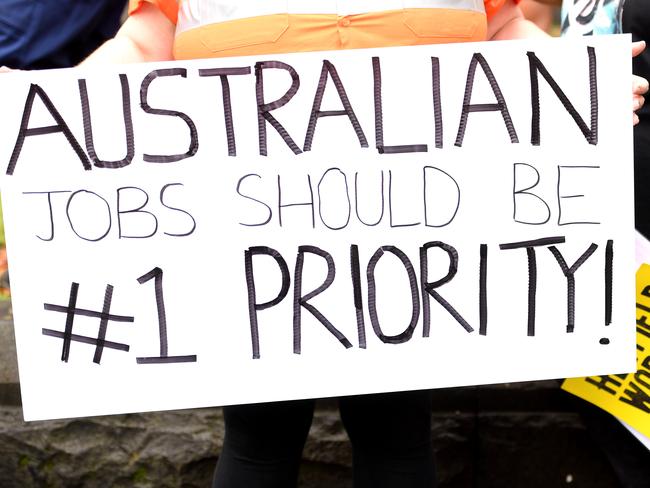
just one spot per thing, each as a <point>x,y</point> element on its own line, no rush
<point>265,108</point>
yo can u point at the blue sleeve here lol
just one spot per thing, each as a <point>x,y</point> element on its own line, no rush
<point>54,33</point>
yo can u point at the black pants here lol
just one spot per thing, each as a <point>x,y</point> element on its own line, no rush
<point>629,459</point>
<point>390,436</point>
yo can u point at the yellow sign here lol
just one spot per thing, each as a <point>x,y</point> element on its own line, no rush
<point>626,396</point>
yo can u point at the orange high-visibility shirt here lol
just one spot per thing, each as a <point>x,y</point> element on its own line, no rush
<point>218,28</point>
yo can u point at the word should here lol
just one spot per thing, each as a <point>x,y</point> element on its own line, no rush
<point>335,198</point>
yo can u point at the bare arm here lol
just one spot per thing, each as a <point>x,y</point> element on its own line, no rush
<point>509,23</point>
<point>147,35</point>
<point>639,85</point>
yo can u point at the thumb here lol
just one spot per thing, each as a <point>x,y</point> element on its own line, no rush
<point>637,48</point>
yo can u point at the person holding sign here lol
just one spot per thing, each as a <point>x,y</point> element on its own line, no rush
<point>636,20</point>
<point>629,459</point>
<point>263,443</point>
<point>206,29</point>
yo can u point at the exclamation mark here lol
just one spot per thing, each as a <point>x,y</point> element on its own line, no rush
<point>609,265</point>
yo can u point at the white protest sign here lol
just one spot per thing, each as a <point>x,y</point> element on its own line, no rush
<point>238,230</point>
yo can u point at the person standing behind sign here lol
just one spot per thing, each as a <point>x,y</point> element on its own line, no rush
<point>636,20</point>
<point>218,28</point>
<point>390,433</point>
<point>629,459</point>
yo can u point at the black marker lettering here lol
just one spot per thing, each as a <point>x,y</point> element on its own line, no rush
<point>253,306</point>
<point>609,279</point>
<point>71,311</point>
<point>390,204</point>
<point>300,301</point>
<point>157,275</point>
<point>69,321</point>
<point>270,212</point>
<point>437,102</point>
<point>347,195</point>
<point>60,126</point>
<point>561,197</point>
<point>468,107</point>
<point>128,125</point>
<point>482,291</point>
<point>430,288</point>
<point>525,191</point>
<point>194,139</point>
<point>316,112</point>
<point>379,119</point>
<point>532,271</point>
<point>427,187</point>
<point>108,210</point>
<point>223,74</point>
<point>137,210</point>
<point>103,324</point>
<point>358,299</point>
<point>264,109</point>
<point>310,203</point>
<point>356,200</point>
<point>590,133</point>
<point>162,201</point>
<point>49,206</point>
<point>569,273</point>
<point>372,296</point>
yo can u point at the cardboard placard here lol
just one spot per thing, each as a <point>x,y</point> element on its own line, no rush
<point>238,230</point>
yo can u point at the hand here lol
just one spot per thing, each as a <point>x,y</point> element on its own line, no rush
<point>639,84</point>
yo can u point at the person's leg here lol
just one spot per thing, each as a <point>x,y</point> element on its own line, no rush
<point>629,459</point>
<point>391,439</point>
<point>263,444</point>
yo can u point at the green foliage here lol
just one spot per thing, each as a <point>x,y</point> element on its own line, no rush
<point>2,228</point>
<point>23,462</point>
<point>140,475</point>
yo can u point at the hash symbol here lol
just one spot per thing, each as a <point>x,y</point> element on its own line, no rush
<point>71,310</point>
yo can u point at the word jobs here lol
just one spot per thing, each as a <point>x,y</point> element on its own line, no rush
<point>90,215</point>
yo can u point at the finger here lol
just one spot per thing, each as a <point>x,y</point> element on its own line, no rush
<point>4,69</point>
<point>637,102</point>
<point>635,119</point>
<point>637,48</point>
<point>639,85</point>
